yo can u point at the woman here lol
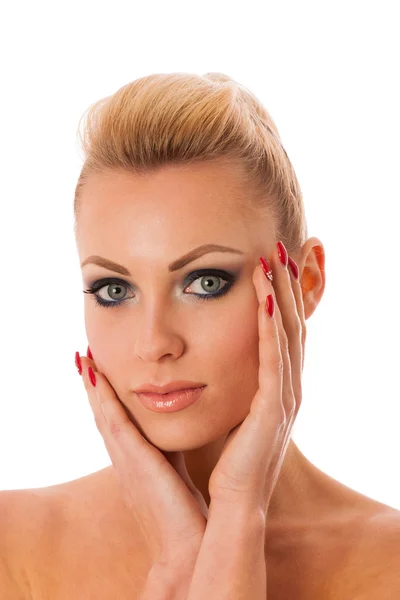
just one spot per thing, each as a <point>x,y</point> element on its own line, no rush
<point>186,186</point>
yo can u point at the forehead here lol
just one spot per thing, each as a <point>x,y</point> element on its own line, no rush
<point>179,205</point>
<point>201,187</point>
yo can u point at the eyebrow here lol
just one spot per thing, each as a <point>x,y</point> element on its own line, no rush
<point>174,266</point>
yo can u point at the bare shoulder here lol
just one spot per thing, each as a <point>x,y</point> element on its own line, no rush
<point>21,522</point>
<point>47,534</point>
<point>371,566</point>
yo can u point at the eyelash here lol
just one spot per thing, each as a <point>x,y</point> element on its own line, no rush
<point>98,285</point>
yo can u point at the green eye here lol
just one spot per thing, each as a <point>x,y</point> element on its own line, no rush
<point>205,275</point>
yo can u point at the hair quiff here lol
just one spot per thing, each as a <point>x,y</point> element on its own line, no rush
<point>184,118</point>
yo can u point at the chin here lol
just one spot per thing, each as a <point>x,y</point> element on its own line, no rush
<point>175,437</point>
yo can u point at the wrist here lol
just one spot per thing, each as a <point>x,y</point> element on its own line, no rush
<point>163,584</point>
<point>171,575</point>
<point>238,514</point>
<point>231,562</point>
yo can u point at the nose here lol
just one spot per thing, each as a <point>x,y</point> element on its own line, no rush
<point>158,335</point>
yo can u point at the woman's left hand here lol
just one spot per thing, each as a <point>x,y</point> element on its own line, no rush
<point>251,459</point>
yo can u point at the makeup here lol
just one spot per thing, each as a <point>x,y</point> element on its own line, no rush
<point>205,276</point>
<point>172,402</point>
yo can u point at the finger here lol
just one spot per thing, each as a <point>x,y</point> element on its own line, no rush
<point>282,361</point>
<point>291,309</point>
<point>286,397</point>
<point>285,287</point>
<point>92,394</point>
<point>297,372</point>
<point>271,369</point>
<point>298,295</point>
<point>121,437</point>
<point>282,369</point>
<point>290,317</point>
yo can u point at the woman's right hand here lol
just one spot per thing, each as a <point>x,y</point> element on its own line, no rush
<point>169,510</point>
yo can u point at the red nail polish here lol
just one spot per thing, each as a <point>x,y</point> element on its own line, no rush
<point>78,363</point>
<point>89,354</point>
<point>269,305</point>
<point>294,268</point>
<point>92,376</point>
<point>283,255</point>
<point>266,268</point>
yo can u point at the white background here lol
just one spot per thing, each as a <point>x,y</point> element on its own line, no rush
<point>328,72</point>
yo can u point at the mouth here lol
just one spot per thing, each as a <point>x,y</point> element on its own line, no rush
<point>172,386</point>
<point>170,401</point>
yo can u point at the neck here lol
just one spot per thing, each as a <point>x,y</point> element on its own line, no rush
<point>301,492</point>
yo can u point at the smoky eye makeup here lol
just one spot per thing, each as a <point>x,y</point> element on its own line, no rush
<point>210,283</point>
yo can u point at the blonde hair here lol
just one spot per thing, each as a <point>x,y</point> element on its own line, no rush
<point>183,118</point>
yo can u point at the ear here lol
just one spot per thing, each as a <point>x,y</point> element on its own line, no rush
<point>311,263</point>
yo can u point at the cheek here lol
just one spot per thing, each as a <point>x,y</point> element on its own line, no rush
<point>234,367</point>
<point>106,343</point>
<point>236,351</point>
<point>97,336</point>
<point>107,332</point>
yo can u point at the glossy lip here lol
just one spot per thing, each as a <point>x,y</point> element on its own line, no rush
<point>172,402</point>
<point>172,386</point>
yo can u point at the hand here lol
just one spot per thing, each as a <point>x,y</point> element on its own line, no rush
<point>170,511</point>
<point>253,453</point>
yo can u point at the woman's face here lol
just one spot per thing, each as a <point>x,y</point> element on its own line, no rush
<point>164,325</point>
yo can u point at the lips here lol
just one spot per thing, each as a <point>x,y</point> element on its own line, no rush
<point>172,401</point>
<point>173,386</point>
<point>171,394</point>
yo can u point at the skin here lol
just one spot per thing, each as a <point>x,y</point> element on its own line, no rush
<point>165,333</point>
<point>169,334</point>
<point>136,343</point>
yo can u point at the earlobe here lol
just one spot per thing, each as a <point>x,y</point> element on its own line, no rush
<point>310,301</point>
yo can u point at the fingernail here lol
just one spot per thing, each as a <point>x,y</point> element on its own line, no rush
<point>78,363</point>
<point>294,268</point>
<point>283,255</point>
<point>266,268</point>
<point>92,376</point>
<point>89,354</point>
<point>269,305</point>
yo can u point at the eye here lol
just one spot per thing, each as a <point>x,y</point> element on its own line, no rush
<point>115,289</point>
<point>209,281</point>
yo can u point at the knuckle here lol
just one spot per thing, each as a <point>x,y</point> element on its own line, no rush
<point>276,363</point>
<point>284,342</point>
<point>281,416</point>
<point>278,416</point>
<point>297,326</point>
<point>115,428</point>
